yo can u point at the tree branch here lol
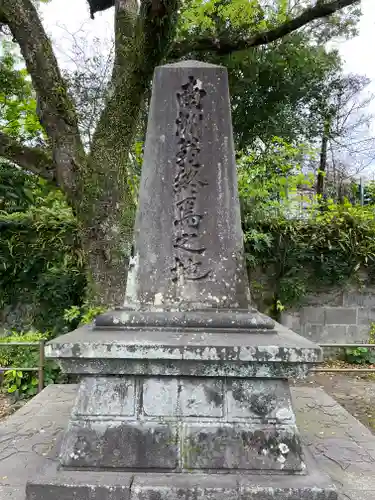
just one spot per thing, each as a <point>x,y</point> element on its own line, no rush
<point>55,109</point>
<point>225,46</point>
<point>142,40</point>
<point>35,160</point>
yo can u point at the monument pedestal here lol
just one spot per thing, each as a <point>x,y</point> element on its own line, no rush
<point>184,394</point>
<point>183,410</point>
<point>67,485</point>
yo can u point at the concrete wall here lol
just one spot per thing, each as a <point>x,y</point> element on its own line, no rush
<point>341,317</point>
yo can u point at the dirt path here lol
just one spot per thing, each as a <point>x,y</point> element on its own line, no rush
<point>5,406</point>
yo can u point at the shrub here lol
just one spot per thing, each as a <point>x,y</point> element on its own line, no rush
<point>360,355</point>
<point>24,383</point>
<point>42,269</point>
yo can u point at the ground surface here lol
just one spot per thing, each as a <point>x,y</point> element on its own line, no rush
<point>355,394</point>
<point>342,446</point>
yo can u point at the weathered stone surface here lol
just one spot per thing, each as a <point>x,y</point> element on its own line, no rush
<point>150,317</point>
<point>188,368</point>
<point>259,400</point>
<point>120,445</point>
<point>186,397</point>
<point>183,423</point>
<point>313,315</point>
<point>340,315</point>
<point>188,238</point>
<point>242,446</point>
<point>68,485</point>
<point>110,397</point>
<point>65,485</point>
<point>207,345</point>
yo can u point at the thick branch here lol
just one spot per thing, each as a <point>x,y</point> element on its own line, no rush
<point>55,109</point>
<point>34,160</point>
<point>225,46</point>
<point>142,39</point>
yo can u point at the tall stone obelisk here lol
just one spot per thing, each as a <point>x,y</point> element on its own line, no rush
<point>188,236</point>
<point>184,390</point>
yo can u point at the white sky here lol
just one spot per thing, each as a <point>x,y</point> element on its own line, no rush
<point>64,19</point>
<point>72,16</point>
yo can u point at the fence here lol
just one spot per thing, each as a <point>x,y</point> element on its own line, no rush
<point>39,368</point>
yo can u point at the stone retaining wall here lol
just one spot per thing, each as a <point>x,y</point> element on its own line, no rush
<point>336,317</point>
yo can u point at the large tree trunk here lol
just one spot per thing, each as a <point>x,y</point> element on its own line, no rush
<point>106,209</point>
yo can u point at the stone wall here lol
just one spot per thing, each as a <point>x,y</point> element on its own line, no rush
<point>341,317</point>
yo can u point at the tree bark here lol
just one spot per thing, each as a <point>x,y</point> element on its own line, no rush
<point>142,39</point>
<point>36,160</point>
<point>323,158</point>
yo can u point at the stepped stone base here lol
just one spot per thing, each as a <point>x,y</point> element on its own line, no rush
<point>66,485</point>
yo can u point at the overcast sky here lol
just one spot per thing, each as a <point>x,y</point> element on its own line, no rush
<point>72,16</point>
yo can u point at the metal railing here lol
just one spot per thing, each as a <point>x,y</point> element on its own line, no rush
<point>39,369</point>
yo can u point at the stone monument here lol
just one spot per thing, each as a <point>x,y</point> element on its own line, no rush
<point>184,391</point>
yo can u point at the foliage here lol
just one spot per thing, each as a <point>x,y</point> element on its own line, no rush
<point>299,250</point>
<point>24,383</point>
<point>360,355</point>
<point>42,264</point>
<point>272,86</point>
<point>18,116</point>
<point>78,316</point>
<point>268,174</point>
<point>40,242</point>
<point>16,188</point>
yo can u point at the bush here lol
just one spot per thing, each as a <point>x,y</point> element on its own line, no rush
<point>25,383</point>
<point>296,253</point>
<point>42,269</point>
<point>360,355</point>
<point>326,249</point>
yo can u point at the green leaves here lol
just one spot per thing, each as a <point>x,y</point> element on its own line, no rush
<point>17,98</point>
<point>42,264</point>
<point>23,384</point>
<point>299,252</point>
<point>360,355</point>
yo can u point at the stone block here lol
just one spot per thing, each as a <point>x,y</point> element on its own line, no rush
<point>183,397</point>
<point>335,334</point>
<point>241,446</point>
<point>259,400</point>
<point>366,315</point>
<point>359,299</point>
<point>160,397</point>
<point>313,314</point>
<point>291,320</point>
<point>57,484</point>
<point>120,444</point>
<point>54,484</point>
<point>340,316</point>
<point>202,398</point>
<point>105,396</point>
<point>315,333</point>
<point>358,334</point>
